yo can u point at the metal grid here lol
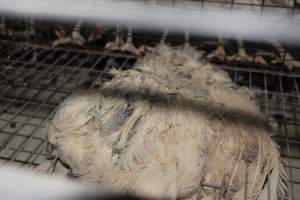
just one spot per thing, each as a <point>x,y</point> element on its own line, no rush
<point>34,80</point>
<point>18,31</point>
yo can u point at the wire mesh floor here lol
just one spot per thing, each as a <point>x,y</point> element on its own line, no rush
<point>34,80</point>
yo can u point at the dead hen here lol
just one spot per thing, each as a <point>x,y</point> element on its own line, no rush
<point>165,126</point>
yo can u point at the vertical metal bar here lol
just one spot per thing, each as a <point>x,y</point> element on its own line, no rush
<point>294,7</point>
<point>297,89</point>
<point>235,76</point>
<point>262,5</point>
<point>266,109</point>
<point>222,193</point>
<point>269,185</point>
<point>2,24</point>
<point>119,36</point>
<point>295,116</point>
<point>246,181</point>
<point>283,107</point>
<point>254,57</point>
<point>250,80</point>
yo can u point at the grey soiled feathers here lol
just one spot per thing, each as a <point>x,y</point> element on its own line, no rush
<point>162,128</point>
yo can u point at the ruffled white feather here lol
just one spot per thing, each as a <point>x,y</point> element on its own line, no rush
<point>160,128</point>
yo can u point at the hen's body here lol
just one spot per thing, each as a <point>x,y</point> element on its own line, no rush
<point>160,129</point>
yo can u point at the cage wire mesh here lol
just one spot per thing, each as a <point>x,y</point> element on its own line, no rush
<point>35,77</point>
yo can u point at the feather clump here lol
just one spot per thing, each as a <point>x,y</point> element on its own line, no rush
<point>162,128</point>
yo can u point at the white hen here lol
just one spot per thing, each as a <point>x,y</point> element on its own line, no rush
<point>160,129</point>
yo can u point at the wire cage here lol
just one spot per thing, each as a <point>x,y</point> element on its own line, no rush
<point>35,76</point>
